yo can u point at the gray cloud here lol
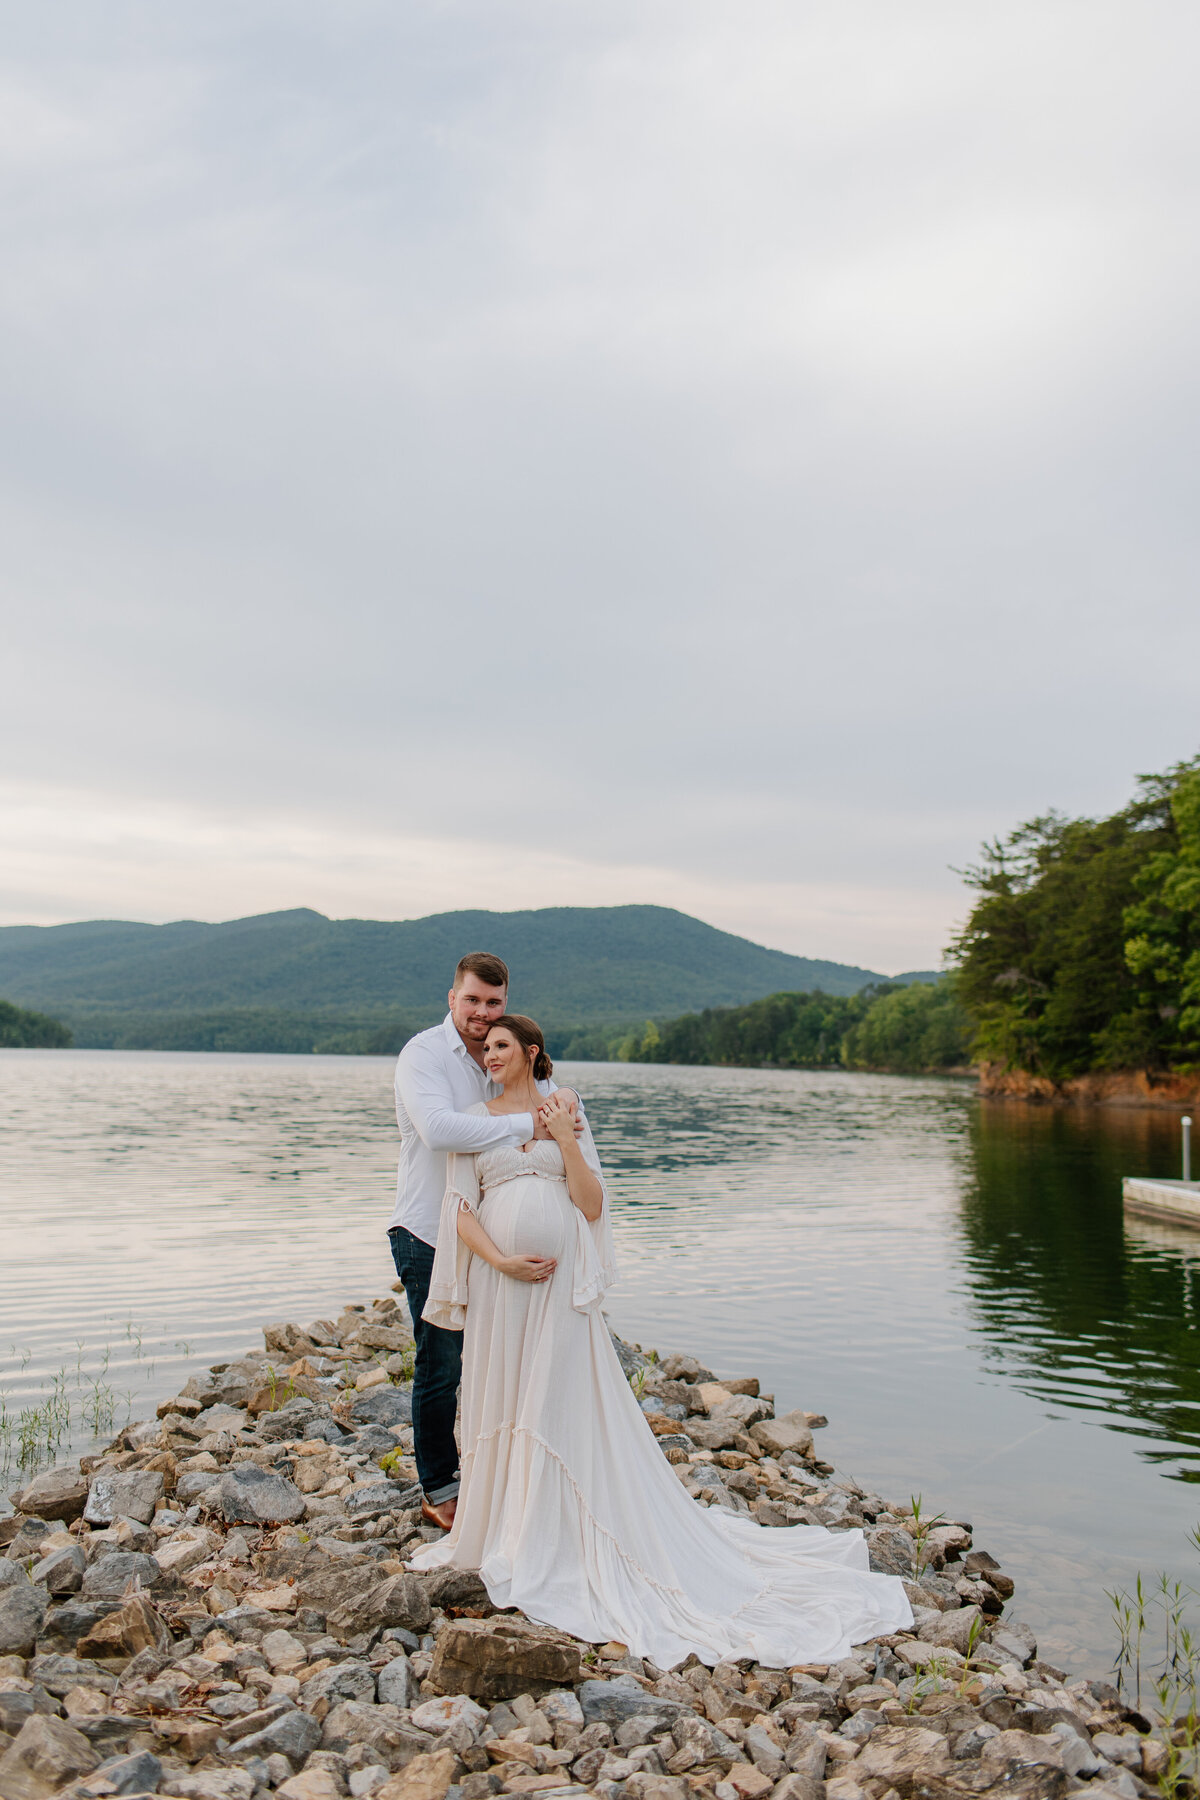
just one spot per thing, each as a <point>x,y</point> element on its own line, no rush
<point>767,437</point>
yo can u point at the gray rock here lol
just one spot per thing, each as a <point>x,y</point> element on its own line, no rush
<point>288,1422</point>
<point>678,1368</point>
<point>59,1493</point>
<point>1078,1756</point>
<point>372,1499</point>
<point>971,1743</point>
<point>383,1728</point>
<point>675,1440</point>
<point>397,1683</point>
<point>954,1629</point>
<point>376,1440</point>
<point>387,1405</point>
<point>249,1495</point>
<point>1015,1642</point>
<point>892,1551</point>
<point>75,1618</point>
<point>713,1434</point>
<point>108,1578</point>
<point>44,1756</point>
<point>1117,1747</point>
<point>11,1575</point>
<point>62,1571</point>
<point>615,1701</point>
<point>360,1599</point>
<point>22,1610</point>
<point>633,1361</point>
<point>128,1494</point>
<point>221,1418</point>
<point>15,1708</point>
<point>348,1680</point>
<point>325,1431</point>
<point>59,1674</point>
<point>136,1774</point>
<point>294,1734</point>
<point>654,1406</point>
<point>193,1484</point>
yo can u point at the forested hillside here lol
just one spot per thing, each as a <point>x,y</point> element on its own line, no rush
<point>299,981</point>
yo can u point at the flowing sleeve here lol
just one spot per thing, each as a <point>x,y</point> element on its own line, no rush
<point>595,1267</point>
<point>447,1302</point>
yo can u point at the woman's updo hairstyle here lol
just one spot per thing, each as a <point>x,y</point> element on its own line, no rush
<point>529,1035</point>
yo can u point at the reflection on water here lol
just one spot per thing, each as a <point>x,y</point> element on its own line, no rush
<point>1079,1306</point>
<point>952,1282</point>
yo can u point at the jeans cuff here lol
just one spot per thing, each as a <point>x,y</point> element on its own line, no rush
<point>437,1496</point>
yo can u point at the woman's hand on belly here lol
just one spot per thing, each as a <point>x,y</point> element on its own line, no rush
<point>528,1268</point>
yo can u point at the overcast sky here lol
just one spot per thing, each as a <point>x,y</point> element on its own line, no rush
<point>514,454</point>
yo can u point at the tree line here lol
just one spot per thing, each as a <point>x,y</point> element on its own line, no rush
<point>922,1026</point>
<point>1081,953</point>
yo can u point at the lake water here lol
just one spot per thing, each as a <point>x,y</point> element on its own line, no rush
<point>950,1280</point>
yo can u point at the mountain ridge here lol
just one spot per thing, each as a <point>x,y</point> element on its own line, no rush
<point>572,966</point>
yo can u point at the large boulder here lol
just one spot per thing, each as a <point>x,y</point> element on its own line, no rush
<point>22,1610</point>
<point>498,1658</point>
<point>59,1493</point>
<point>127,1494</point>
<point>44,1756</point>
<point>249,1495</point>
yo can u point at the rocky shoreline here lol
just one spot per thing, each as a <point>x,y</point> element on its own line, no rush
<point>217,1608</point>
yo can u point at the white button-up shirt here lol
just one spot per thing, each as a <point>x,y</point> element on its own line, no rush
<point>437,1079</point>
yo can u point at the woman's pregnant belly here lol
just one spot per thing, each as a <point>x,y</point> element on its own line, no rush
<point>529,1216</point>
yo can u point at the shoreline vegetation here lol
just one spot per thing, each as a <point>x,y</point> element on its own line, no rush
<point>216,1607</point>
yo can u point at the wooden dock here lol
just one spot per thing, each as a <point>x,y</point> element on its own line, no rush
<point>1177,1200</point>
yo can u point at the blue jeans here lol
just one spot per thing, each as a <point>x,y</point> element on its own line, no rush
<point>437,1375</point>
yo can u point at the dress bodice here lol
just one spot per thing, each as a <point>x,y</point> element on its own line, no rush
<point>507,1162</point>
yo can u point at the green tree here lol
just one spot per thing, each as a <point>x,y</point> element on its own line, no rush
<point>1043,966</point>
<point>920,1027</point>
<point>22,1030</point>
<point>1162,950</point>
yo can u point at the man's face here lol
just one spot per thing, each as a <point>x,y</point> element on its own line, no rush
<point>475,1007</point>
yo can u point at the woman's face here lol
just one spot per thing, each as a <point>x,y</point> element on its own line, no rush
<point>506,1058</point>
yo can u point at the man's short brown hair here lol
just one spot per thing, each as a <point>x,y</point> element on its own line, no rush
<point>488,968</point>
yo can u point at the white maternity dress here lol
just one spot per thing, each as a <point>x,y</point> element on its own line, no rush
<point>569,1510</point>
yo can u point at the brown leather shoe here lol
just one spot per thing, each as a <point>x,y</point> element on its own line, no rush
<point>441,1515</point>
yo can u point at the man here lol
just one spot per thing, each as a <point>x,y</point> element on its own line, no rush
<point>440,1074</point>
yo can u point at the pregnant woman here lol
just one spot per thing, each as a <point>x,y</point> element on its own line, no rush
<point>568,1508</point>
